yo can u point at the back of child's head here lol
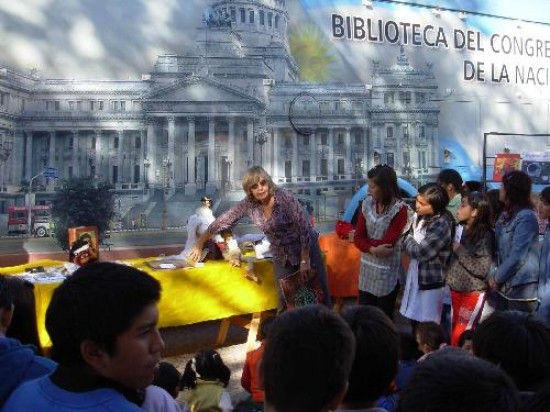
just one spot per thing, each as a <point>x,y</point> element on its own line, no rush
<point>307,360</point>
<point>168,378</point>
<point>376,354</point>
<point>265,326</point>
<point>518,343</point>
<point>205,365</point>
<point>430,336</point>
<point>408,347</point>
<point>436,197</point>
<point>453,381</point>
<point>452,177</point>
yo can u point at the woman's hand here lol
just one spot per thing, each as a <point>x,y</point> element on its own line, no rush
<point>492,283</point>
<point>195,253</point>
<point>456,245</point>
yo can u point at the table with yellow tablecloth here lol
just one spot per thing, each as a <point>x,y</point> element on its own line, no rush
<point>215,291</point>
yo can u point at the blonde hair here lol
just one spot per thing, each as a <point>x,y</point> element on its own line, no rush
<point>252,177</point>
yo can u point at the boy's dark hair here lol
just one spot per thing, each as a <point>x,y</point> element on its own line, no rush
<point>208,365</point>
<point>431,334</point>
<point>265,327</point>
<point>468,334</point>
<point>436,196</point>
<point>517,185</point>
<point>386,179</point>
<point>408,348</point>
<point>307,359</point>
<point>6,299</point>
<point>545,195</point>
<point>518,343</point>
<point>167,377</point>
<point>97,303</point>
<point>453,381</point>
<point>451,176</point>
<point>473,185</point>
<point>376,360</point>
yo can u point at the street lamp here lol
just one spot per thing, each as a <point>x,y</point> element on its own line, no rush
<point>261,138</point>
<point>166,165</point>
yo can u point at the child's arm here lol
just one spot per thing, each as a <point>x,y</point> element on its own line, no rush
<point>365,244</point>
<point>438,237</point>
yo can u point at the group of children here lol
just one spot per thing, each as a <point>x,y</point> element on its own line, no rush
<point>463,261</point>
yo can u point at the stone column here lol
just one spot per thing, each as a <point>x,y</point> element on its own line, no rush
<point>367,149</point>
<point>15,165</point>
<point>313,155</point>
<point>331,153</point>
<point>51,152</point>
<point>276,151</point>
<point>51,157</point>
<point>231,152</point>
<point>141,156</point>
<point>250,143</point>
<point>349,160</point>
<point>151,153</point>
<point>171,145</point>
<point>268,152</point>
<point>28,155</point>
<point>75,161</point>
<point>211,184</point>
<point>99,155</point>
<point>120,156</point>
<point>435,147</point>
<point>191,185</point>
<point>296,170</point>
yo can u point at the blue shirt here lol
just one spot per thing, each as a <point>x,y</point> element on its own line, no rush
<point>44,396</point>
<point>18,364</point>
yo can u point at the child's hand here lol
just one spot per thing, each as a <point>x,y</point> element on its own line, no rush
<point>456,245</point>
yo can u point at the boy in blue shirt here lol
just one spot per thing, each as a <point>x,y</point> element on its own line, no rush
<point>103,325</point>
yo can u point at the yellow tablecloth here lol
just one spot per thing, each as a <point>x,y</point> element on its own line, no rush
<point>189,296</point>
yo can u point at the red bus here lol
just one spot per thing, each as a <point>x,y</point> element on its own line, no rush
<point>18,220</point>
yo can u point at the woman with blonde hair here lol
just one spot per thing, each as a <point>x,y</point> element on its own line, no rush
<point>294,243</point>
